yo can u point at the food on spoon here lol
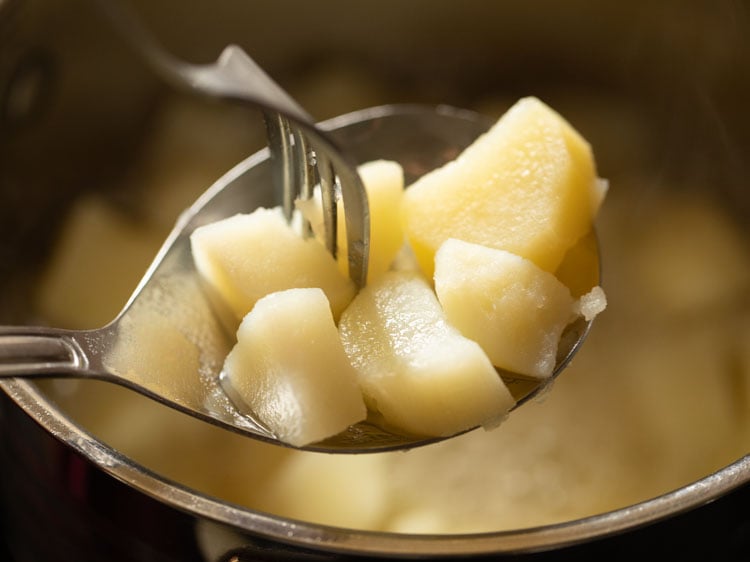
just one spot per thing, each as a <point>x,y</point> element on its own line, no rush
<point>290,368</point>
<point>247,256</point>
<point>510,210</point>
<point>414,368</point>
<point>384,184</point>
<point>513,309</point>
<point>528,186</point>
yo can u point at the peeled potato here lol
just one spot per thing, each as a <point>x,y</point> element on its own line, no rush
<point>419,372</point>
<point>290,368</point>
<point>528,186</point>
<point>246,257</point>
<point>512,308</point>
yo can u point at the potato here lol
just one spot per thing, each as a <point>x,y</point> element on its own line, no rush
<point>528,186</point>
<point>248,256</point>
<point>290,368</point>
<point>384,183</point>
<point>512,308</point>
<point>419,372</point>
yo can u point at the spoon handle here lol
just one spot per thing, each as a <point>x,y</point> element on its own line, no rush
<point>34,351</point>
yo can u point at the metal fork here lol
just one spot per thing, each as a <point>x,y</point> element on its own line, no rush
<point>303,155</point>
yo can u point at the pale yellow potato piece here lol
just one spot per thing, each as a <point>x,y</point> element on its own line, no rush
<point>512,308</point>
<point>100,257</point>
<point>290,368</point>
<point>419,372</point>
<point>528,186</point>
<point>246,257</point>
<point>342,490</point>
<point>384,184</point>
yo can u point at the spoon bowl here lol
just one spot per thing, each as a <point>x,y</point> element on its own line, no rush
<point>170,340</point>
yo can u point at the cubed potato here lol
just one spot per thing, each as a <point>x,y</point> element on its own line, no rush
<point>515,310</point>
<point>248,256</point>
<point>290,368</point>
<point>528,186</point>
<point>419,372</point>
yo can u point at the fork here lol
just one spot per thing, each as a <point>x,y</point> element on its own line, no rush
<point>302,154</point>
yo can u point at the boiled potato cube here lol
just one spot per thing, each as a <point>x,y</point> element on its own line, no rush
<point>512,308</point>
<point>290,368</point>
<point>384,182</point>
<point>420,373</point>
<point>528,186</point>
<point>246,257</point>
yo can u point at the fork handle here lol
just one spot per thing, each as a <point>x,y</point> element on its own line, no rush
<point>33,351</point>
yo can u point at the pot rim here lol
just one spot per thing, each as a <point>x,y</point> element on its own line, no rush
<point>352,541</point>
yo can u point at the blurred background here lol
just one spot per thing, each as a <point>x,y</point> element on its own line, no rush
<point>98,157</point>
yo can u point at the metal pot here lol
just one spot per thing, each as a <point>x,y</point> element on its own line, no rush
<point>76,105</point>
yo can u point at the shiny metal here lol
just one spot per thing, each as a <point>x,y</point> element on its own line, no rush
<point>47,352</point>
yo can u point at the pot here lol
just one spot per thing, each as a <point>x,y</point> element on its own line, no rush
<point>660,92</point>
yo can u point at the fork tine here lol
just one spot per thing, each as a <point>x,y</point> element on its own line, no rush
<point>294,175</point>
<point>238,78</point>
<point>277,132</point>
<point>306,164</point>
<point>291,132</point>
<point>329,199</point>
<point>357,215</point>
<point>305,172</point>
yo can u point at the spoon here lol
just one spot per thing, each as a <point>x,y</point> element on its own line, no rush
<point>170,307</point>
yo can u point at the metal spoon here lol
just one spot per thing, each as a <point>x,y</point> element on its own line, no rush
<point>170,297</point>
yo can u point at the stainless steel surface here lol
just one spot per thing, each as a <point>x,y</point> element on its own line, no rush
<point>171,283</point>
